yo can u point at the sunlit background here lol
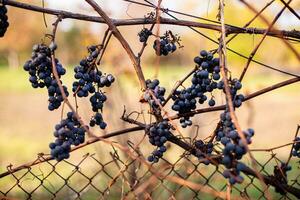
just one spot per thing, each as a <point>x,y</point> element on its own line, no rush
<point>26,125</point>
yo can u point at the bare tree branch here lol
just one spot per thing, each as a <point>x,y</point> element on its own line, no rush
<point>140,21</point>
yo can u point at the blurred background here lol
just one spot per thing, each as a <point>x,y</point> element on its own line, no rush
<point>26,125</point>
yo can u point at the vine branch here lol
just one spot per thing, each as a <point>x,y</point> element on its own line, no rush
<point>140,21</point>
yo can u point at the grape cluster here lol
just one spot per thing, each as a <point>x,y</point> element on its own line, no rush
<point>163,46</point>
<point>68,132</point>
<point>97,119</point>
<point>280,173</point>
<point>203,151</point>
<point>3,20</point>
<point>159,134</point>
<point>89,80</point>
<point>89,76</point>
<point>97,100</point>
<point>39,68</point>
<point>234,174</point>
<point>205,79</point>
<point>227,134</point>
<point>234,148</point>
<point>158,92</point>
<point>144,34</point>
<point>296,148</point>
<point>234,86</point>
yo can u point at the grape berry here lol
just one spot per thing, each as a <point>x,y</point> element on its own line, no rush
<point>227,134</point>
<point>163,46</point>
<point>158,92</point>
<point>144,34</point>
<point>234,174</point>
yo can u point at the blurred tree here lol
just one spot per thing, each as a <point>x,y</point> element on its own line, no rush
<point>22,33</point>
<point>71,44</point>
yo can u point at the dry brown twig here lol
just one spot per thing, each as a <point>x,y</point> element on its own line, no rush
<point>270,25</point>
<point>141,21</point>
<point>229,103</point>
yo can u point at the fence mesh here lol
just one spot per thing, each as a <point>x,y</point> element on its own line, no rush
<point>119,176</point>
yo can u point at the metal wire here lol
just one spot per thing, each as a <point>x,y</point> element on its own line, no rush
<point>92,177</point>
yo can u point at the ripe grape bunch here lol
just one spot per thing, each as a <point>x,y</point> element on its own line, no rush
<point>227,134</point>
<point>204,80</point>
<point>234,173</point>
<point>3,20</point>
<point>144,34</point>
<point>39,68</point>
<point>296,147</point>
<point>165,44</point>
<point>158,92</point>
<point>280,172</point>
<point>68,132</point>
<point>89,81</point>
<point>159,134</point>
<point>203,151</point>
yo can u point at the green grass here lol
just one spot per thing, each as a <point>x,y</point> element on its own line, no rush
<point>13,80</point>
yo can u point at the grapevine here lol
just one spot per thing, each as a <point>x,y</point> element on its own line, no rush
<point>196,93</point>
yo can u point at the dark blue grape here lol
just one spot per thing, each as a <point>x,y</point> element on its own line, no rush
<point>234,148</point>
<point>144,34</point>
<point>203,151</point>
<point>163,46</point>
<point>211,102</point>
<point>97,119</point>
<point>158,92</point>
<point>158,136</point>
<point>89,80</point>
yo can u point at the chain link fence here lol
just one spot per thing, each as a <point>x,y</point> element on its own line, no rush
<point>119,176</point>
